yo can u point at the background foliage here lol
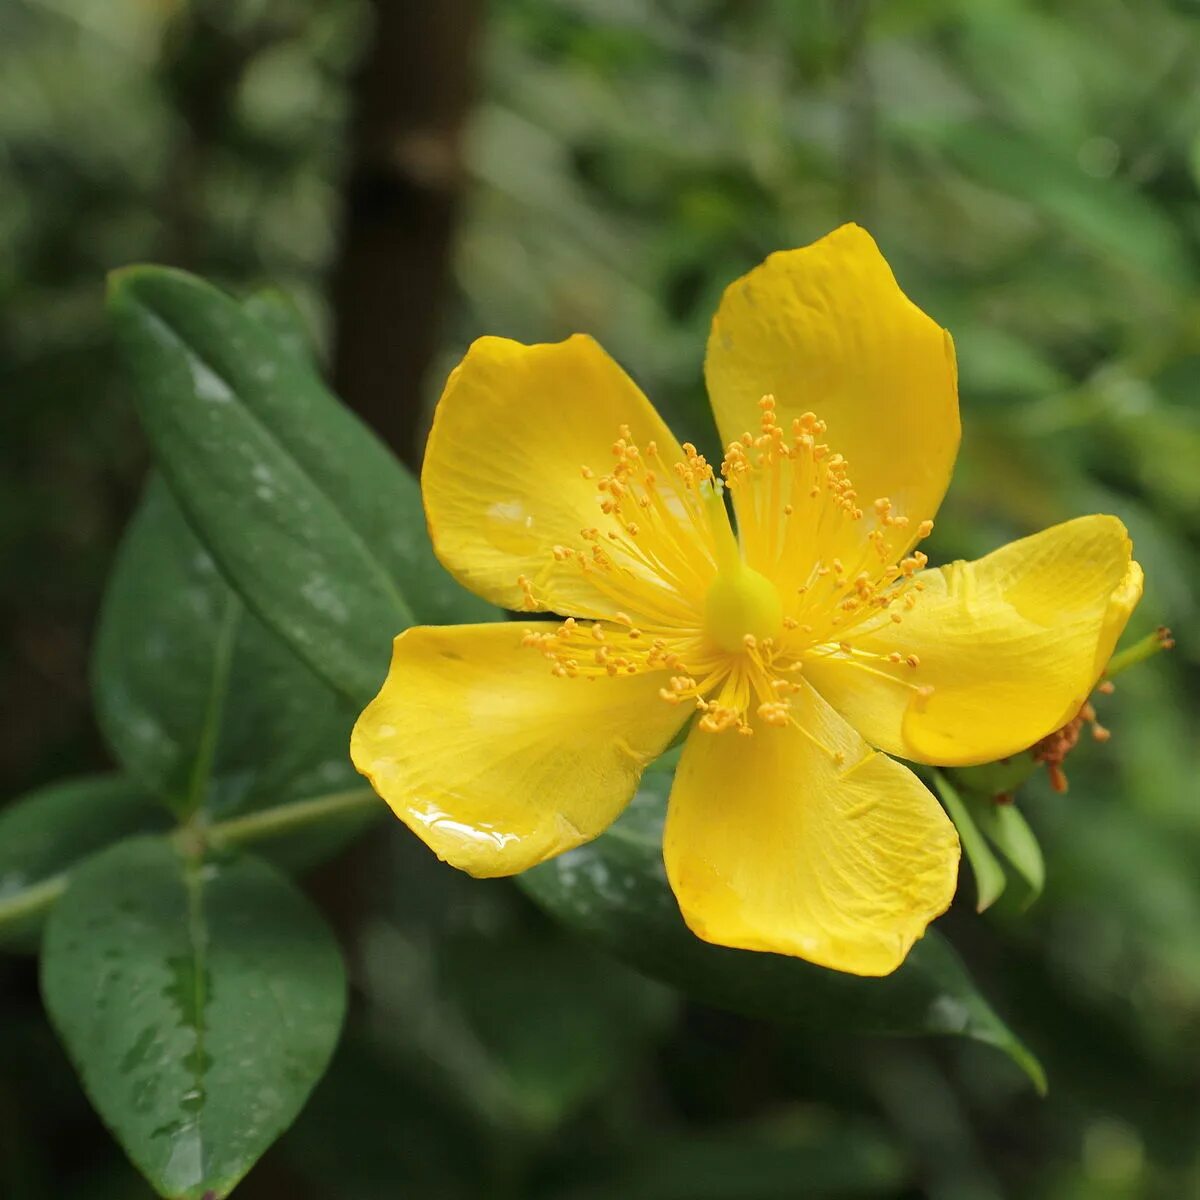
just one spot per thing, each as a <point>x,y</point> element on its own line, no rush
<point>1032,172</point>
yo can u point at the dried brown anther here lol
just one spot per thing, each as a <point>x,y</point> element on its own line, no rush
<point>1054,748</point>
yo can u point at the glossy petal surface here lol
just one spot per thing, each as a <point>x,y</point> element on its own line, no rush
<point>495,763</point>
<point>1012,644</point>
<point>774,844</point>
<point>827,329</point>
<point>503,480</point>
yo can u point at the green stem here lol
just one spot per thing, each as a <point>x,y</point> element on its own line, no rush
<point>1152,644</point>
<point>237,831</point>
<point>31,900</point>
<point>286,818</point>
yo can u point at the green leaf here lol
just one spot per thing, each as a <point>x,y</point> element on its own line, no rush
<point>989,874</point>
<point>275,310</point>
<point>198,699</point>
<point>47,832</point>
<point>308,514</point>
<point>200,1003</point>
<point>1009,832</point>
<point>614,891</point>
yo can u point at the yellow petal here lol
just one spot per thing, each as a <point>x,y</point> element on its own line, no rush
<point>503,482</point>
<point>826,329</point>
<point>495,763</point>
<point>1012,645</point>
<point>773,843</point>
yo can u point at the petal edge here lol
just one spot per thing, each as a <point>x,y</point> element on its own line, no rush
<point>492,761</point>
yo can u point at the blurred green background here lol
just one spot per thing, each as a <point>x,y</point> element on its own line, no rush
<point>416,175</point>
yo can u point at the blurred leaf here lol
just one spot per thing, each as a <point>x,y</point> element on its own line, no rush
<point>306,512</point>
<point>1114,219</point>
<point>989,874</point>
<point>198,699</point>
<point>614,891</point>
<point>669,759</point>
<point>805,1154</point>
<point>558,1020</point>
<point>50,830</point>
<point>200,1003</point>
<point>378,1129</point>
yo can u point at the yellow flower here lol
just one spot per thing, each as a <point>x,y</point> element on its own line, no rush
<point>803,645</point>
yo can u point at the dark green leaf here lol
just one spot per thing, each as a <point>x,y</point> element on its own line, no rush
<point>200,1003</point>
<point>763,1161</point>
<point>614,891</point>
<point>198,699</point>
<point>308,515</point>
<point>48,831</point>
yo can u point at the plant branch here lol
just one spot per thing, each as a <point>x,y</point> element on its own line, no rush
<point>246,830</point>
<point>287,818</point>
<point>1152,644</point>
<point>31,901</point>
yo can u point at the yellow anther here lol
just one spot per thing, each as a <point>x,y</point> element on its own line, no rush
<point>913,660</point>
<point>528,602</point>
<point>773,712</point>
<point>666,519</point>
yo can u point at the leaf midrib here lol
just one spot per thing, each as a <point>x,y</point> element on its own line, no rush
<point>210,731</point>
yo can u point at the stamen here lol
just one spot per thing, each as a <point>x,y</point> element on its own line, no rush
<point>1053,749</point>
<point>728,619</point>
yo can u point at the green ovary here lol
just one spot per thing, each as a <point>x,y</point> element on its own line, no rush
<point>740,602</point>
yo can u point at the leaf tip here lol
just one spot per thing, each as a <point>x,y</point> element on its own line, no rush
<point>1032,1066</point>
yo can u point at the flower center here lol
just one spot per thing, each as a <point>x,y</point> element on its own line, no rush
<point>741,602</point>
<point>727,638</point>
